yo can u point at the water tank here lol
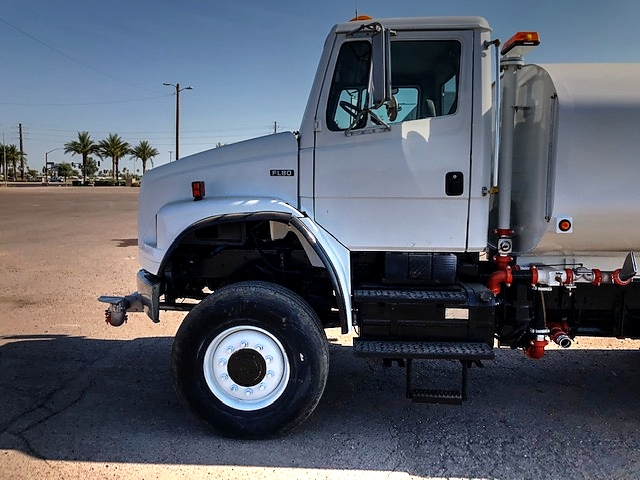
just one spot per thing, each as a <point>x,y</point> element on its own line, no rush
<point>577,156</point>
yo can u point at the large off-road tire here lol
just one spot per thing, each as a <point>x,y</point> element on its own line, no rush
<point>251,360</point>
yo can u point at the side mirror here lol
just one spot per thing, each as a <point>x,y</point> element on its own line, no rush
<point>380,79</point>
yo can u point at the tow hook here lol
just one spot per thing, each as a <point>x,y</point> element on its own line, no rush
<point>116,314</point>
<point>117,320</point>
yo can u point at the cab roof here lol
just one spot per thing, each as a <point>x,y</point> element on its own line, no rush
<point>421,23</point>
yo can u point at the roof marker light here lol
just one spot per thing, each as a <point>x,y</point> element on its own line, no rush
<point>520,43</point>
<point>360,18</point>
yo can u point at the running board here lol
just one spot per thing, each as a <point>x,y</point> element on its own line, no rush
<point>466,353</point>
<point>422,350</point>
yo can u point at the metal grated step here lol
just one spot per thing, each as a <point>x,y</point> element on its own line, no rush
<point>448,397</point>
<point>422,350</point>
<point>377,295</point>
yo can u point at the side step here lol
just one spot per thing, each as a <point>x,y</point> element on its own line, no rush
<point>423,350</point>
<point>467,353</point>
<point>449,397</point>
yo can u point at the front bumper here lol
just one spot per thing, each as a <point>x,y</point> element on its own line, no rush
<point>149,289</point>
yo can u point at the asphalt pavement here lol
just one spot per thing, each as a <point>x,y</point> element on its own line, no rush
<point>81,399</point>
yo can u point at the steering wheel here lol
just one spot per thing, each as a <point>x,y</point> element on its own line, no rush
<point>350,109</point>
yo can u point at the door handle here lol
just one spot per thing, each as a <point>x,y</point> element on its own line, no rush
<point>454,184</point>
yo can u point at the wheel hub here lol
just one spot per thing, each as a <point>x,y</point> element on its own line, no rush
<point>246,368</point>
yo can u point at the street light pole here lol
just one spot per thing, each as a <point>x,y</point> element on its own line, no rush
<point>46,164</point>
<point>178,90</point>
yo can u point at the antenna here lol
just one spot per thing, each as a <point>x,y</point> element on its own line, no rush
<point>356,2</point>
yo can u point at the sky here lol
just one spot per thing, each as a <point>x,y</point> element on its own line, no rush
<point>69,65</point>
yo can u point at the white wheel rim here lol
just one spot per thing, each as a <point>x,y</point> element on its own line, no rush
<point>264,350</point>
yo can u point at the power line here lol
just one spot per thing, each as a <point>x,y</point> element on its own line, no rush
<point>79,62</point>
<point>81,104</point>
<point>207,133</point>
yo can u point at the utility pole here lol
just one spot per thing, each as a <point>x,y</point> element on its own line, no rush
<point>275,127</point>
<point>177,120</point>
<point>4,156</point>
<point>21,153</point>
<point>178,90</point>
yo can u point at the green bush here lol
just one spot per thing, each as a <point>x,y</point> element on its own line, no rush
<point>108,183</point>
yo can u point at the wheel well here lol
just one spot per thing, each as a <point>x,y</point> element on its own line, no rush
<point>223,251</point>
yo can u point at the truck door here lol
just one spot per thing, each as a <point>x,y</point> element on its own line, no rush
<point>405,187</point>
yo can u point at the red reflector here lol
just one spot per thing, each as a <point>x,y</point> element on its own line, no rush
<point>564,225</point>
<point>197,190</point>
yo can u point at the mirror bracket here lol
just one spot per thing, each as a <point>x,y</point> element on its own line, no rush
<point>379,87</point>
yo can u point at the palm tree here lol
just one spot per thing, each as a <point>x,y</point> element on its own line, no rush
<point>2,161</point>
<point>83,146</point>
<point>116,148</point>
<point>144,151</point>
<point>13,155</point>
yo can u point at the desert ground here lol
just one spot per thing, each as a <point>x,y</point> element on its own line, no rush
<point>82,399</point>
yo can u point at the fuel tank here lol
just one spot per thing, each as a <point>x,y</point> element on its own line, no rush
<point>577,158</point>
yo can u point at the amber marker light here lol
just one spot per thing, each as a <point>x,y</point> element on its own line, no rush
<point>527,40</point>
<point>197,190</point>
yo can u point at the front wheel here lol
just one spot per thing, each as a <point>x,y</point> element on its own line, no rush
<point>251,360</point>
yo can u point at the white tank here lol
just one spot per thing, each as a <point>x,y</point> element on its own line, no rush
<point>577,156</point>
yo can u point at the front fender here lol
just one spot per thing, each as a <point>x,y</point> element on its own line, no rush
<point>175,219</point>
<point>338,261</point>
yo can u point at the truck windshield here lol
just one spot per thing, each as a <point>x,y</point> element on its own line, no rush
<point>424,78</point>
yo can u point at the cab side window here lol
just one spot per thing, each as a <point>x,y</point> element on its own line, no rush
<point>424,78</point>
<point>348,94</point>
